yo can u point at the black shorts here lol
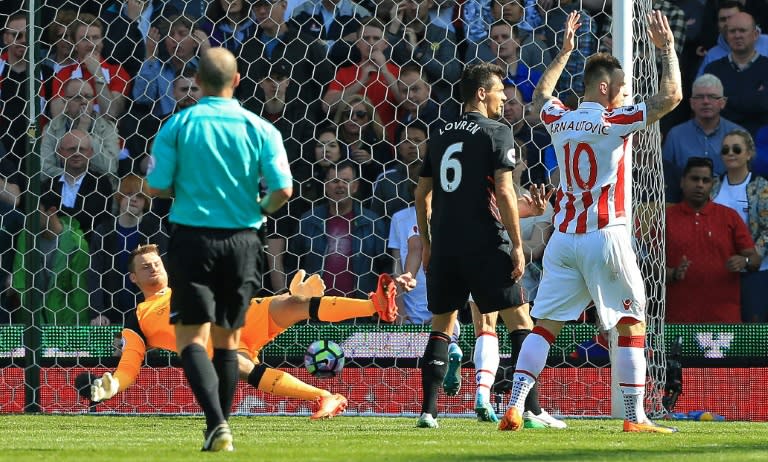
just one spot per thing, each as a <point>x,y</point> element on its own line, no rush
<point>450,279</point>
<point>213,273</point>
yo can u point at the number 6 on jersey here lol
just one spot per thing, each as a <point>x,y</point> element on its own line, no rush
<point>449,163</point>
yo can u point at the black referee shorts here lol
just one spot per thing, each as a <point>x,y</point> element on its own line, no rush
<point>213,273</point>
<point>450,279</point>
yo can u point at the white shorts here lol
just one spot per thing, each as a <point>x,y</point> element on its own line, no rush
<point>598,267</point>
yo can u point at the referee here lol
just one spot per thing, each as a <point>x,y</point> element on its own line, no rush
<point>211,158</point>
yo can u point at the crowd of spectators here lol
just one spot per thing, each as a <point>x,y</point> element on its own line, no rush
<point>355,88</point>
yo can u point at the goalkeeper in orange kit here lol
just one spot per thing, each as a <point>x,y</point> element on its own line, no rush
<point>149,327</point>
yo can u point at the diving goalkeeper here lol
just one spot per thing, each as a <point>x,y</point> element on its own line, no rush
<point>149,327</point>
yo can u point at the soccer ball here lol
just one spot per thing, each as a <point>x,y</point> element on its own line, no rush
<point>324,358</point>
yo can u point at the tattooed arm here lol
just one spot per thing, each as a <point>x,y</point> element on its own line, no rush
<point>670,89</point>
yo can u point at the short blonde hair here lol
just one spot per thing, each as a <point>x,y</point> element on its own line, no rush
<point>141,250</point>
<point>745,136</point>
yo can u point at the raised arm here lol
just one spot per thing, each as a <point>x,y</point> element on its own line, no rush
<point>670,89</point>
<point>548,81</point>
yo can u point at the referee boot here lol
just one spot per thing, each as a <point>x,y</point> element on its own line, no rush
<point>384,298</point>
<point>218,439</point>
<point>427,421</point>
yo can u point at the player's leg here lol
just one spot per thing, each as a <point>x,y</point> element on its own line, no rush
<point>519,324</point>
<point>617,288</point>
<point>562,296</point>
<point>452,379</point>
<point>630,367</point>
<point>446,292</point>
<point>486,359</point>
<point>434,365</point>
<point>530,363</point>
<point>281,383</point>
<point>287,310</point>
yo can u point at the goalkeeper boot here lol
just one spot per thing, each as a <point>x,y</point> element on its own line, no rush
<point>384,298</point>
<point>218,439</point>
<point>426,421</point>
<point>452,380</point>
<point>484,411</point>
<point>543,420</point>
<point>329,406</point>
<point>647,427</point>
<point>512,420</point>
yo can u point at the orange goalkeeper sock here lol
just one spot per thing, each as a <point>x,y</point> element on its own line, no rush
<point>279,383</point>
<point>334,309</point>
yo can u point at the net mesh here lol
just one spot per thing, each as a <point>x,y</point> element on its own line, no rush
<point>107,74</point>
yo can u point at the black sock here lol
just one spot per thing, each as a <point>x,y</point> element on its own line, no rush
<point>314,308</point>
<point>204,383</point>
<point>434,365</point>
<point>225,363</point>
<point>254,378</point>
<point>516,341</point>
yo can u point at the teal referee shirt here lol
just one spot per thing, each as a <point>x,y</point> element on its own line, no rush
<point>214,156</point>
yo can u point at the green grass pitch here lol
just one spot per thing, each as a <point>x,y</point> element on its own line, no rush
<point>146,438</point>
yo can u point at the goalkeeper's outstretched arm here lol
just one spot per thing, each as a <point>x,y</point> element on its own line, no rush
<point>127,370</point>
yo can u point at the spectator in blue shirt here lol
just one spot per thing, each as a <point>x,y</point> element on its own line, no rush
<point>505,47</point>
<point>154,84</point>
<point>702,136</point>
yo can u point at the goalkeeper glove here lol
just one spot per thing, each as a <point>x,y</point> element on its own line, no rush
<point>313,286</point>
<point>104,388</point>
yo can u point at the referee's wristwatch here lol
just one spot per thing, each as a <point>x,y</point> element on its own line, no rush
<point>746,263</point>
<point>100,79</point>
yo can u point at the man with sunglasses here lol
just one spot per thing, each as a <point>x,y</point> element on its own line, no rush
<point>707,247</point>
<point>703,134</point>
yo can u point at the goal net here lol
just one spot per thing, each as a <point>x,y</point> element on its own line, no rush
<point>96,79</point>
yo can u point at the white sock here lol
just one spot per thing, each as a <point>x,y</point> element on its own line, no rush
<point>630,373</point>
<point>486,360</point>
<point>530,363</point>
<point>521,385</point>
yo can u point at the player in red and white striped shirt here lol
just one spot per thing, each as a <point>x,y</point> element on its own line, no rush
<point>589,257</point>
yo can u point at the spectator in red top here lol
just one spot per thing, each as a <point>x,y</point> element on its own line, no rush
<point>373,76</point>
<point>708,246</point>
<point>109,81</point>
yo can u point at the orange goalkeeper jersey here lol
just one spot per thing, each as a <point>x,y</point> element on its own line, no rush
<point>149,326</point>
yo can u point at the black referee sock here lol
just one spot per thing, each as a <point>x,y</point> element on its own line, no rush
<point>516,339</point>
<point>204,382</point>
<point>434,365</point>
<point>225,363</point>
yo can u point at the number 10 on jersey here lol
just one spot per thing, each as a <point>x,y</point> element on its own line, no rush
<point>572,171</point>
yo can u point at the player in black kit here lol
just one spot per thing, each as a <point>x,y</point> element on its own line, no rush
<point>468,216</point>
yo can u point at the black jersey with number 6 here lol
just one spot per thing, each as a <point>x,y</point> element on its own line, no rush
<point>461,161</point>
